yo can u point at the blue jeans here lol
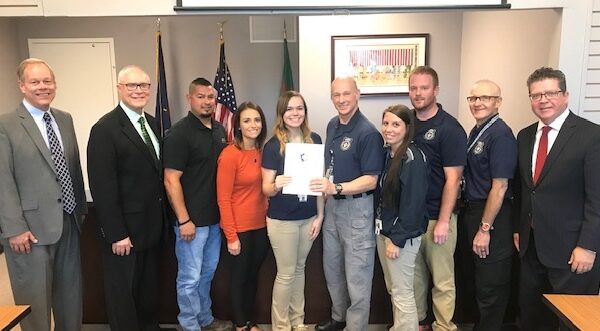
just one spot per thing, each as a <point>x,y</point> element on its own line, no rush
<point>197,261</point>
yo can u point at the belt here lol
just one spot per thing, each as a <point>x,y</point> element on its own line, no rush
<point>353,196</point>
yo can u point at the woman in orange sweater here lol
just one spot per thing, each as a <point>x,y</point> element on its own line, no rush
<point>243,208</point>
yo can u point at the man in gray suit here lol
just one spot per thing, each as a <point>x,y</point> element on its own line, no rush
<point>42,203</point>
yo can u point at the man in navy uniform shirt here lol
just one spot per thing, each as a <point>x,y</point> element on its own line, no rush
<point>354,156</point>
<point>444,142</point>
<point>491,164</point>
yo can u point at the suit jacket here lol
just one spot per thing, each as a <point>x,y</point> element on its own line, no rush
<point>30,194</point>
<point>564,205</point>
<point>126,182</point>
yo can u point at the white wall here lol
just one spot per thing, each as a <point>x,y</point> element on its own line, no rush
<point>315,58</point>
<point>496,47</point>
<point>9,93</point>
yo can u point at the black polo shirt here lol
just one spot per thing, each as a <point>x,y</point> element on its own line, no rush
<point>444,142</point>
<point>356,148</point>
<point>192,148</point>
<point>493,155</point>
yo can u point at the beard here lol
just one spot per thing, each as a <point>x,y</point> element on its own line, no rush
<point>206,116</point>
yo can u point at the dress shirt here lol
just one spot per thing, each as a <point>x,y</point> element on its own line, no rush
<point>552,134</point>
<point>134,117</point>
<point>38,118</point>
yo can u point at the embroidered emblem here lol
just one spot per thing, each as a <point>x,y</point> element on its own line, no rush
<point>478,148</point>
<point>430,134</point>
<point>346,143</point>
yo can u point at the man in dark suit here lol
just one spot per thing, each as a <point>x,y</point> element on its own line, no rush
<point>558,201</point>
<point>42,203</point>
<point>125,177</point>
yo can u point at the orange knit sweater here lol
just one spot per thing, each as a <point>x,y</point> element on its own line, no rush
<point>242,204</point>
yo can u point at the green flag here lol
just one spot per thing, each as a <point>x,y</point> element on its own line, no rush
<point>287,79</point>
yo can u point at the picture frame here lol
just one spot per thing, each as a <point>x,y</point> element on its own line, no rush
<point>380,64</point>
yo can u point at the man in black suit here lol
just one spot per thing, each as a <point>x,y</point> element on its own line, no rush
<point>125,175</point>
<point>558,201</point>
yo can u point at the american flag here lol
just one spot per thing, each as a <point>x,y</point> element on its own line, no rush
<point>226,105</point>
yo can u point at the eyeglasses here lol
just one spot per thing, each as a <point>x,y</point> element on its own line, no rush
<point>549,95</point>
<point>134,86</point>
<point>482,98</point>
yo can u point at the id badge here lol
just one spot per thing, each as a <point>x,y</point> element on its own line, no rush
<point>378,226</point>
<point>302,197</point>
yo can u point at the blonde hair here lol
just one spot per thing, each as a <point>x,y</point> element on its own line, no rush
<point>27,62</point>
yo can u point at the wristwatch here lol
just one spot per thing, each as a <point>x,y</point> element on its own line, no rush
<point>338,188</point>
<point>485,227</point>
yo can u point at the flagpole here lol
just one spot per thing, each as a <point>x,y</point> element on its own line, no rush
<point>158,37</point>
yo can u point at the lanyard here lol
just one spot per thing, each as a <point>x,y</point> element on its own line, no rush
<point>487,126</point>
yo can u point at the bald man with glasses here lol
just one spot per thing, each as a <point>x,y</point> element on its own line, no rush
<point>486,215</point>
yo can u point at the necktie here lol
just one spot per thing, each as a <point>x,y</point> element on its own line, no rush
<point>60,163</point>
<point>542,153</point>
<point>146,136</point>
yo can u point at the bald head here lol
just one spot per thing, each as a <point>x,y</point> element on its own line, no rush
<point>347,80</point>
<point>484,100</point>
<point>345,95</point>
<point>487,86</point>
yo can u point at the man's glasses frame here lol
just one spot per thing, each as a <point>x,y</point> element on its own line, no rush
<point>482,98</point>
<point>547,94</point>
<point>134,86</point>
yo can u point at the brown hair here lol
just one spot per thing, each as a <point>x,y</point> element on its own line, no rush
<point>426,70</point>
<point>391,185</point>
<point>280,131</point>
<point>238,140</point>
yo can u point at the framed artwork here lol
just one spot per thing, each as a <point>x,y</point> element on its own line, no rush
<point>380,64</point>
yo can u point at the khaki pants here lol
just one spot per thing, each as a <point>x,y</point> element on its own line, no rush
<point>291,243</point>
<point>437,261</point>
<point>399,280</point>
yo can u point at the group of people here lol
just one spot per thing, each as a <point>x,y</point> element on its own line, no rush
<point>391,192</point>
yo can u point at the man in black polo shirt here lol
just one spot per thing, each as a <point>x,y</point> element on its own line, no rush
<point>491,164</point>
<point>191,149</point>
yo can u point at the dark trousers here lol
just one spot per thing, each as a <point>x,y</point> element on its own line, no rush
<point>492,274</point>
<point>244,273</point>
<point>131,290</point>
<point>537,279</point>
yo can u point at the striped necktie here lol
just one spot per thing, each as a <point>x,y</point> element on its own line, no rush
<point>60,163</point>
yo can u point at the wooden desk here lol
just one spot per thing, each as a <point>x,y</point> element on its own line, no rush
<point>12,315</point>
<point>579,312</point>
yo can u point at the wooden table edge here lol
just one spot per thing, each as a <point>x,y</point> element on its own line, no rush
<point>548,302</point>
<point>18,318</point>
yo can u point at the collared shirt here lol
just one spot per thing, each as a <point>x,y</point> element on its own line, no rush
<point>38,118</point>
<point>444,142</point>
<point>552,134</point>
<point>134,117</point>
<point>192,148</point>
<point>494,155</point>
<point>356,148</point>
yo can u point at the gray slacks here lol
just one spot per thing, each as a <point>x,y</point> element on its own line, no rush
<point>348,259</point>
<point>49,277</point>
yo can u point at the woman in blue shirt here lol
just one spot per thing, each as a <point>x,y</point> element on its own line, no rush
<point>293,221</point>
<point>401,213</point>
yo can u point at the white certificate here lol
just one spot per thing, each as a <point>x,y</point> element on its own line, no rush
<point>303,162</point>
